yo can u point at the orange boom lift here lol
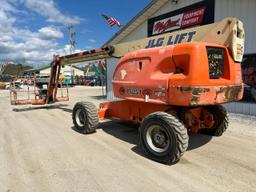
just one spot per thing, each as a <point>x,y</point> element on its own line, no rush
<point>170,89</point>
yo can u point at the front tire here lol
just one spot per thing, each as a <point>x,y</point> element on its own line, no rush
<point>163,137</point>
<point>85,117</point>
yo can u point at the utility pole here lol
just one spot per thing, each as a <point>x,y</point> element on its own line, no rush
<point>72,43</point>
<point>72,38</point>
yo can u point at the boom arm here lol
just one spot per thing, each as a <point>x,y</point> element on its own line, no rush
<point>228,32</point>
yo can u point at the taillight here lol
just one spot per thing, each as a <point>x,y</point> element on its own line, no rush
<point>216,62</point>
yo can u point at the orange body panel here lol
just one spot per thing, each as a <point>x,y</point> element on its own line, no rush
<point>177,75</point>
<point>135,111</point>
<point>128,110</point>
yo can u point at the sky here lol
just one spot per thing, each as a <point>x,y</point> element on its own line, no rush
<point>32,31</point>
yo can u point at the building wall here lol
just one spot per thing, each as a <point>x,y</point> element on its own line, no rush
<point>45,71</point>
<point>245,10</point>
<point>169,6</point>
<point>65,69</point>
<point>142,31</point>
<point>111,65</point>
<point>241,107</point>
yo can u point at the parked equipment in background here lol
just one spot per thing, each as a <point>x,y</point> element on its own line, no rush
<point>2,85</point>
<point>67,79</point>
<point>41,80</point>
<point>97,74</point>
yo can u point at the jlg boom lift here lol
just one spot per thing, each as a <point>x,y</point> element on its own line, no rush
<point>170,84</point>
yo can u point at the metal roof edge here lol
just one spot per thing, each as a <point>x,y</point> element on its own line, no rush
<point>37,69</point>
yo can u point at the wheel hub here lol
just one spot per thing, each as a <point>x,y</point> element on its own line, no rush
<point>157,138</point>
<point>80,117</point>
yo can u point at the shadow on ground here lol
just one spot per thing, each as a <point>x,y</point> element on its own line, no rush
<point>47,107</point>
<point>124,131</point>
<point>128,132</point>
<point>99,97</point>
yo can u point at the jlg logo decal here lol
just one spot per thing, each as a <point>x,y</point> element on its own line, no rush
<point>133,91</point>
<point>172,39</point>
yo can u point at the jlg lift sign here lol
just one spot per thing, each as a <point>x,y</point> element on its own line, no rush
<point>171,40</point>
<point>197,14</point>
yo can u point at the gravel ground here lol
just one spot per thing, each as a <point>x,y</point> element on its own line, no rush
<point>41,151</point>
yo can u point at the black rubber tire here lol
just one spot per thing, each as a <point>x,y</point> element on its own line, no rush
<point>175,132</point>
<point>221,119</point>
<point>90,117</point>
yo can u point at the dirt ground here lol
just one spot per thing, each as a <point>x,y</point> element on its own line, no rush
<point>41,151</point>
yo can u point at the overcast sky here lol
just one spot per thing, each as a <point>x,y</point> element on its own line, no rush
<point>32,31</point>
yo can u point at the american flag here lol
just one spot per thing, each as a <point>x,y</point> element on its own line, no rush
<point>111,21</point>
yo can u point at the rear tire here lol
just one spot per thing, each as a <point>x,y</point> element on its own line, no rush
<point>221,119</point>
<point>163,137</point>
<point>85,117</point>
